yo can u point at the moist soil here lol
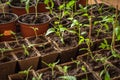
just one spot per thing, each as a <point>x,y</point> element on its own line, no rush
<point>6,58</point>
<point>92,63</point>
<point>6,18</point>
<point>20,55</point>
<point>18,3</point>
<point>38,40</point>
<point>32,19</point>
<point>47,75</point>
<point>14,45</point>
<point>46,49</point>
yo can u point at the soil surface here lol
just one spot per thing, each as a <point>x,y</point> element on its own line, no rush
<point>6,18</point>
<point>32,19</point>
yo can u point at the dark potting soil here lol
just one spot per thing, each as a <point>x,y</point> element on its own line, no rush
<point>6,18</point>
<point>3,1</point>
<point>117,64</point>
<point>83,77</point>
<point>6,58</point>
<point>15,45</point>
<point>46,49</point>
<point>73,70</point>
<point>47,75</point>
<point>32,19</point>
<point>92,63</point>
<point>18,3</point>
<point>38,40</point>
<point>20,55</point>
<point>2,45</point>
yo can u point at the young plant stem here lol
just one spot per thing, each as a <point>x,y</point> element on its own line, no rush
<point>114,26</point>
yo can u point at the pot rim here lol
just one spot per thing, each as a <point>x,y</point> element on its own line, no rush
<point>12,6</point>
<point>49,18</point>
<point>16,17</point>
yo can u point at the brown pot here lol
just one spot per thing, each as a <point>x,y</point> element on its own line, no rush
<point>25,62</point>
<point>7,27</point>
<point>42,7</point>
<point>19,9</point>
<point>7,66</point>
<point>19,76</point>
<point>26,29</point>
<point>48,53</point>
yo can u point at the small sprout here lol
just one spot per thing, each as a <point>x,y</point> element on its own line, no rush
<point>26,72</point>
<point>26,53</point>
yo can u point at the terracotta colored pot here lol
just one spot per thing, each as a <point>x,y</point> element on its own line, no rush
<point>42,7</point>
<point>7,27</point>
<point>26,29</point>
<point>82,2</point>
<point>21,10</point>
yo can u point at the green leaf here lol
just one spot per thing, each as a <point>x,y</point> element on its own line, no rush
<point>61,7</point>
<point>102,72</point>
<point>46,1</point>
<point>68,77</point>
<point>117,32</point>
<point>49,31</point>
<point>107,76</point>
<point>83,68</point>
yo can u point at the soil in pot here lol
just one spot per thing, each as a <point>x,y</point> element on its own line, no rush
<point>74,68</point>
<point>15,45</point>
<point>113,72</point>
<point>47,74</point>
<point>92,63</point>
<point>32,19</point>
<point>83,76</point>
<point>21,76</point>
<point>39,40</point>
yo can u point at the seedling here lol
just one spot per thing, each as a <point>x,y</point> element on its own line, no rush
<point>51,66</point>
<point>3,6</point>
<point>68,77</point>
<point>26,52</point>
<point>106,65</point>
<point>38,77</point>
<point>77,64</point>
<point>2,50</point>
<point>36,5</point>
<point>15,36</point>
<point>35,30</point>
<point>50,5</point>
<point>26,72</point>
<point>83,68</point>
<point>63,69</point>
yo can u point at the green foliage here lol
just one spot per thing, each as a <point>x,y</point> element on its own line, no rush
<point>50,5</point>
<point>68,77</point>
<point>105,45</point>
<point>51,66</point>
<point>26,53</point>
<point>26,72</point>
<point>39,77</point>
<point>63,69</point>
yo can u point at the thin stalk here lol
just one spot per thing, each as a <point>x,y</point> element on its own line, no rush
<point>114,26</point>
<point>36,12</point>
